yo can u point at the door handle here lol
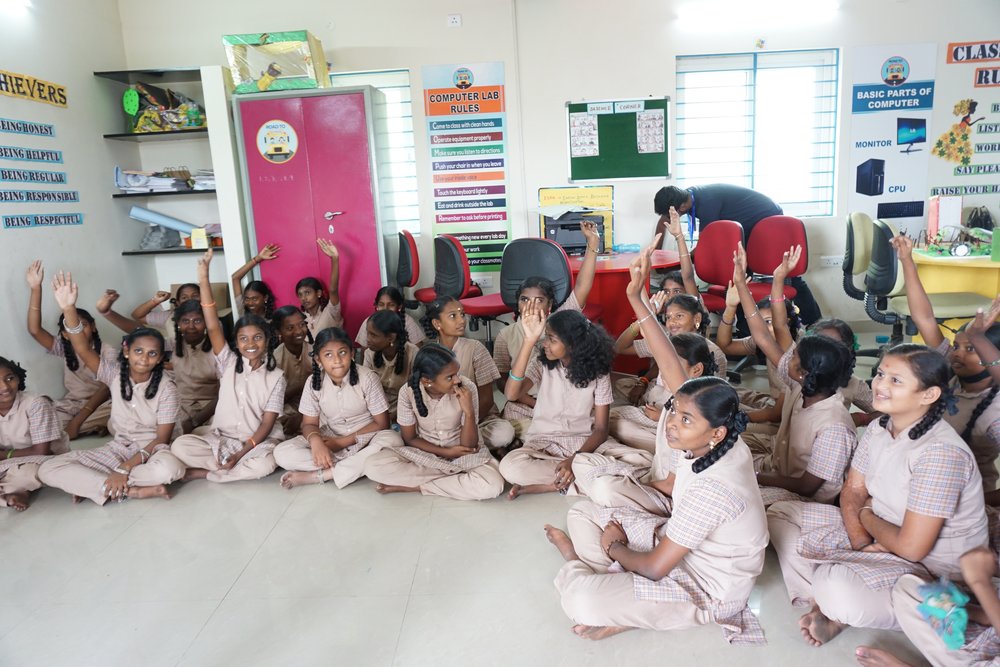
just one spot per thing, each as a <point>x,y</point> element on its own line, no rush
<point>330,215</point>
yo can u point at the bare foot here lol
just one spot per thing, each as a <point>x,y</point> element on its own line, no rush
<point>194,473</point>
<point>300,478</point>
<point>18,501</point>
<point>876,657</point>
<point>390,488</point>
<point>562,542</point>
<point>518,490</point>
<point>597,632</point>
<point>817,629</point>
<point>149,492</point>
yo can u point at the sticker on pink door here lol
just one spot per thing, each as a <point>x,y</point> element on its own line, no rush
<point>277,141</point>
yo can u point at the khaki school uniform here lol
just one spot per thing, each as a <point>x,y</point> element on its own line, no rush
<point>414,332</point>
<point>342,410</point>
<point>134,422</point>
<point>80,386</point>
<point>506,346</point>
<point>196,380</point>
<point>328,316</point>
<point>391,382</point>
<point>563,420</point>
<point>471,477</point>
<point>244,398</point>
<point>935,475</point>
<point>30,421</point>
<point>475,363</point>
<point>717,514</point>
<point>298,372</point>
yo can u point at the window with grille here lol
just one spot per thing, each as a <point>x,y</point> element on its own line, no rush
<point>766,121</point>
<point>397,161</point>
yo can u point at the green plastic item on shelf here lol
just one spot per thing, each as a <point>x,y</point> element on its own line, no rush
<point>130,102</point>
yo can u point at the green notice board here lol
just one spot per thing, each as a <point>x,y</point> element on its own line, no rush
<point>618,139</point>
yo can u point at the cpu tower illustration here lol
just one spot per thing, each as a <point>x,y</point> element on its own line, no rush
<point>871,177</point>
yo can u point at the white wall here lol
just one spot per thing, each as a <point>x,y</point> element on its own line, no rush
<point>65,43</point>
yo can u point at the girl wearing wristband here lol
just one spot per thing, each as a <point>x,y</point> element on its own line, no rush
<point>924,491</point>
<point>239,443</point>
<point>345,418</point>
<point>574,399</point>
<point>137,463</point>
<point>29,433</point>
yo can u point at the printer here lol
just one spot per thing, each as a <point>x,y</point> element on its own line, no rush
<point>565,231</point>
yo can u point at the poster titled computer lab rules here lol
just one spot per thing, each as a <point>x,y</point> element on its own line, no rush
<point>892,98</point>
<point>467,131</point>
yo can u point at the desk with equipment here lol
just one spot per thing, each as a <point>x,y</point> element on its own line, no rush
<point>944,274</point>
<point>611,279</point>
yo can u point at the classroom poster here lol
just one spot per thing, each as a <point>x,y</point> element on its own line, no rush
<point>965,146</point>
<point>892,99</point>
<point>467,131</point>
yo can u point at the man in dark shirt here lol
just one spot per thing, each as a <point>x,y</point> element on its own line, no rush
<point>721,201</point>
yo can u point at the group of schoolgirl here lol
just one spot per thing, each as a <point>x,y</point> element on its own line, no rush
<point>685,487</point>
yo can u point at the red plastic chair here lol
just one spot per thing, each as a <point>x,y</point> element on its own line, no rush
<point>713,260</point>
<point>768,241</point>
<point>408,265</point>
<point>451,272</point>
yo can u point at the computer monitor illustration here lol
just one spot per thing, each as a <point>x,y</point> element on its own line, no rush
<point>911,131</point>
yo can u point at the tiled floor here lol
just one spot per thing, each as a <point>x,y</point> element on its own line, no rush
<point>252,574</point>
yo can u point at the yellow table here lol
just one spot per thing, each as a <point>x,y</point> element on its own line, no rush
<point>980,275</point>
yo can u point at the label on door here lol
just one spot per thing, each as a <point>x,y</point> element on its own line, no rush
<point>277,141</point>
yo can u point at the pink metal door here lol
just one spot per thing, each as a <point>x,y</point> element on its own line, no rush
<point>317,184</point>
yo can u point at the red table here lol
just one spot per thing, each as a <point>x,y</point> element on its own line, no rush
<point>610,281</point>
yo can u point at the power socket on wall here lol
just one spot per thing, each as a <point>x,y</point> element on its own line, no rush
<point>832,260</point>
<point>484,280</point>
<point>454,21</point>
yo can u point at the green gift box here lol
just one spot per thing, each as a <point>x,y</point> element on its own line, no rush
<point>289,60</point>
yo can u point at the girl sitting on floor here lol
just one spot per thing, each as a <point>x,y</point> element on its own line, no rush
<point>389,353</point>
<point>320,305</point>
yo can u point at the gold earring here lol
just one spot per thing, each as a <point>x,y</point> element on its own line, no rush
<point>711,444</point>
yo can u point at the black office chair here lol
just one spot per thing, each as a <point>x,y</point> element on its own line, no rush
<point>528,257</point>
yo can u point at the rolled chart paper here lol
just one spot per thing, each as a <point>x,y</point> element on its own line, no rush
<point>153,218</point>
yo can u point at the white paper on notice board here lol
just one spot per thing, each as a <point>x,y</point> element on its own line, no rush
<point>601,107</point>
<point>630,107</point>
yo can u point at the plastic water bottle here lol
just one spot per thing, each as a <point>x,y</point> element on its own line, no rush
<point>626,247</point>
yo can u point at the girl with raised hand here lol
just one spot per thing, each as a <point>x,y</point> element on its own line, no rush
<point>345,418</point>
<point>671,223</point>
<point>193,366</point>
<point>443,456</point>
<point>294,357</point>
<point>86,406</point>
<point>389,353</point>
<point>572,373</point>
<point>541,293</point>
<point>150,314</point>
<point>977,419</point>
<point>390,298</point>
<point>809,456</point>
<point>245,427</point>
<point>256,298</point>
<point>320,305</point>
<point>444,320</point>
<point>137,463</point>
<point>628,568</point>
<point>912,504</point>
<point>29,433</point>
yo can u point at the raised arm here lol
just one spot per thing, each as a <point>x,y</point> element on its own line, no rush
<point>921,311</point>
<point>208,308</point>
<point>663,351</point>
<point>585,278</point>
<point>104,307</point>
<point>989,355</point>
<point>270,251</point>
<point>146,307</point>
<point>673,225</point>
<point>724,334</point>
<point>758,329</point>
<point>330,250</point>
<point>779,315</point>
<point>533,322</point>
<point>66,293</point>
<point>35,275</point>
